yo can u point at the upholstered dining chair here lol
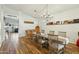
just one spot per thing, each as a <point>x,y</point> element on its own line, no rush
<point>63,34</point>
<point>56,45</point>
<point>51,32</point>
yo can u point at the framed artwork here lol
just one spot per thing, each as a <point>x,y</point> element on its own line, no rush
<point>29,22</point>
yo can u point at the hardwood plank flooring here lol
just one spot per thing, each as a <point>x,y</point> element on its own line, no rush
<point>26,46</point>
<point>72,49</point>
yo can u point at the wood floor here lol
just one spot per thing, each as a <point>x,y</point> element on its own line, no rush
<point>26,46</point>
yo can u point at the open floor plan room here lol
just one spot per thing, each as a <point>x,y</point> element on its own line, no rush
<point>39,29</point>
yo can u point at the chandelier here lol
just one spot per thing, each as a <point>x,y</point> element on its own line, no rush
<point>43,13</point>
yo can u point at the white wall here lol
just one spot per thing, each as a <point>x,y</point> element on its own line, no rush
<point>23,26</point>
<point>0,25</point>
<point>67,15</point>
<point>71,29</point>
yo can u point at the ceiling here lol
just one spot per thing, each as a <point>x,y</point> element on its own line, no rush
<point>52,8</point>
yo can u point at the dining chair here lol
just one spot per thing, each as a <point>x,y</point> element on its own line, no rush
<point>63,34</point>
<point>56,45</point>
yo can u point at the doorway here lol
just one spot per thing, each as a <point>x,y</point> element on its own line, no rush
<point>11,28</point>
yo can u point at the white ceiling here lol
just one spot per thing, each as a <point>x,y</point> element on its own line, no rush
<point>52,8</point>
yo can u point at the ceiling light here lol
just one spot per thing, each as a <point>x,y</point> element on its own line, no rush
<point>43,14</point>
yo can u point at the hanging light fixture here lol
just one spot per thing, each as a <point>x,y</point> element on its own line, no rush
<point>43,13</point>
